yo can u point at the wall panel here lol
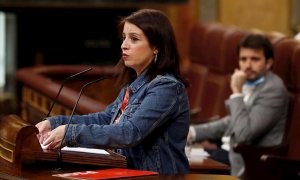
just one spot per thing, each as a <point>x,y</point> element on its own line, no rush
<point>267,15</point>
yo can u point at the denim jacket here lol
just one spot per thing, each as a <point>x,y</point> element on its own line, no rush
<point>152,130</point>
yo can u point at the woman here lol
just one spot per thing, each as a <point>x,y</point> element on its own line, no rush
<point>150,129</point>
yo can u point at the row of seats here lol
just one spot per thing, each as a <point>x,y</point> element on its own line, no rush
<point>213,58</point>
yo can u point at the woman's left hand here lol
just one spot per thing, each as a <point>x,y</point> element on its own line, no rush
<point>55,138</point>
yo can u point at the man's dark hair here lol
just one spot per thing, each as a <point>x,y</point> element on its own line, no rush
<point>257,41</point>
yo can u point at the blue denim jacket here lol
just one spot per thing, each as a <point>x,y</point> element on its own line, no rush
<point>152,130</point>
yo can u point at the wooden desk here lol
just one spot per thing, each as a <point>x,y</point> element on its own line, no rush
<point>204,164</point>
<point>44,170</point>
<point>207,165</point>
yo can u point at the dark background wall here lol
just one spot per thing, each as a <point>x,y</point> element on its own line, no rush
<point>68,36</point>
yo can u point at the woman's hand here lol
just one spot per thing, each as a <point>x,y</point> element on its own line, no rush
<point>44,128</point>
<point>55,138</point>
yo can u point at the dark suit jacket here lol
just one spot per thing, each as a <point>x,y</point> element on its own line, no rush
<point>260,121</point>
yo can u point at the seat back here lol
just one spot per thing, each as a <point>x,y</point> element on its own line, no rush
<point>196,76</point>
<point>294,132</point>
<point>213,49</point>
<point>295,70</point>
<point>197,41</point>
<point>275,38</point>
<point>216,90</point>
<point>284,52</point>
<point>230,56</point>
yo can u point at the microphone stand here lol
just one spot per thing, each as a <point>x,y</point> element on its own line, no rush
<point>61,87</point>
<point>59,159</point>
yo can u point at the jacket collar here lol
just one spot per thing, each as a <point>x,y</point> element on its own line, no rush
<point>138,82</point>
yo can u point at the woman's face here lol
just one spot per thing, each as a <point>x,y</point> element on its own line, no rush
<point>136,51</point>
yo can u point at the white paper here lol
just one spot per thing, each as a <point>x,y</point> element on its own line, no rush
<point>81,149</point>
<point>85,150</point>
<point>198,152</point>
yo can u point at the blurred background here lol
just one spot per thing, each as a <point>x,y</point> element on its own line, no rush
<point>44,32</point>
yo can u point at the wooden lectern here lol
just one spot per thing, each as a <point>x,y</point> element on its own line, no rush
<point>18,144</point>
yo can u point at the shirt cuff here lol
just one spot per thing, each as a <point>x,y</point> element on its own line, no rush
<point>192,133</point>
<point>235,95</point>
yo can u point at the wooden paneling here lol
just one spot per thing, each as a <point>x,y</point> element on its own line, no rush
<point>183,17</point>
<point>266,15</point>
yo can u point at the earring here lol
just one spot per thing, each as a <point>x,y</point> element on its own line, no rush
<point>155,56</point>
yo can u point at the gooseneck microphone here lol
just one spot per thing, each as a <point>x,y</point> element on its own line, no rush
<point>72,113</point>
<point>61,87</point>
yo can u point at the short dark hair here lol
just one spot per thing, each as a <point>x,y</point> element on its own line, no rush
<point>159,32</point>
<point>257,41</point>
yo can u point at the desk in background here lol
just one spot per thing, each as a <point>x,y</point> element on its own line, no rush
<point>208,166</point>
<point>200,162</point>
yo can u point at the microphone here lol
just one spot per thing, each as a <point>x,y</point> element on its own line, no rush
<point>62,85</point>
<point>59,159</point>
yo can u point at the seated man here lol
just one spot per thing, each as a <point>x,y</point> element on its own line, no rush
<point>257,108</point>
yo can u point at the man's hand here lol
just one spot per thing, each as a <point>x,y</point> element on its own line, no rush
<point>238,78</point>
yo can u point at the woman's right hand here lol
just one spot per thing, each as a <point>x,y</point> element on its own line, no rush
<point>44,128</point>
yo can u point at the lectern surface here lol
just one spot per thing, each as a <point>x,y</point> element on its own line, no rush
<point>19,144</point>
